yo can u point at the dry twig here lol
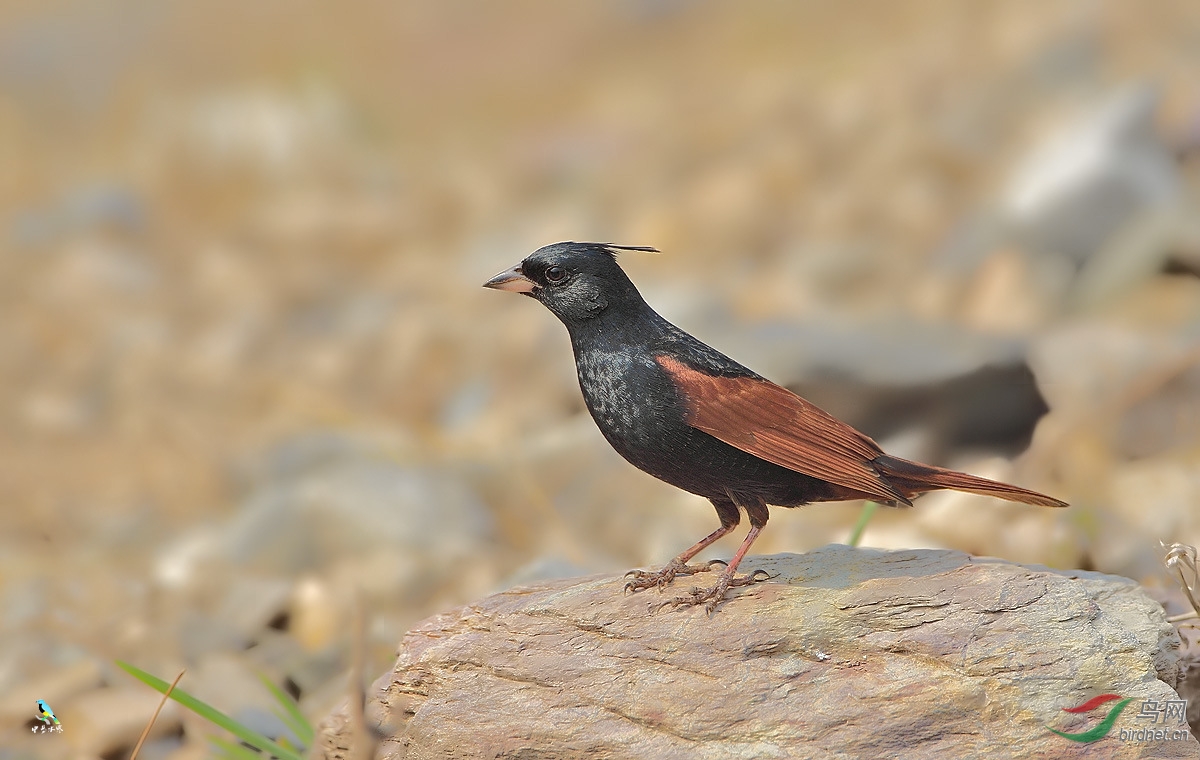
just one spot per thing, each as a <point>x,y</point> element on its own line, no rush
<point>146,731</point>
<point>1181,560</point>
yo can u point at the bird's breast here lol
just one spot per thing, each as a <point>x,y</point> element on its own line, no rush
<point>629,397</point>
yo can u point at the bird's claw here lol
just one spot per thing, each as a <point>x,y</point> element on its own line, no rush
<point>632,587</point>
<point>711,597</point>
<point>644,579</point>
<point>757,576</point>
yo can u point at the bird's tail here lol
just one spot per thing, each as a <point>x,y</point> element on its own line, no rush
<point>912,478</point>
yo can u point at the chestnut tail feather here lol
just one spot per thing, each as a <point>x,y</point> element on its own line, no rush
<point>913,478</point>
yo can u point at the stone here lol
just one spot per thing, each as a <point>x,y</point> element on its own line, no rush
<point>106,721</point>
<point>897,352</point>
<point>348,499</point>
<point>1075,191</point>
<point>1083,365</point>
<point>844,652</point>
<point>346,512</point>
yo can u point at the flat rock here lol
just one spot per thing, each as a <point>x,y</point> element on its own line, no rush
<point>843,653</point>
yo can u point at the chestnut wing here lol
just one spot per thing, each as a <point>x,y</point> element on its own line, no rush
<point>772,423</point>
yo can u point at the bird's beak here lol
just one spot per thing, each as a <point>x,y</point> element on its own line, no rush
<point>513,280</point>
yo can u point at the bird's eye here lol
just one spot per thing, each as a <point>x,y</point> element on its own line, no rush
<point>556,274</point>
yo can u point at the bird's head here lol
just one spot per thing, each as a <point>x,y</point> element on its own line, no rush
<point>576,281</point>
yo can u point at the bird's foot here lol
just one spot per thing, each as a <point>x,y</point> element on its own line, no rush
<point>644,579</point>
<point>711,597</point>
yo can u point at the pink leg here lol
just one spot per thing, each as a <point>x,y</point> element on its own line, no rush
<point>745,547</point>
<point>643,579</point>
<point>711,597</point>
<point>729,515</point>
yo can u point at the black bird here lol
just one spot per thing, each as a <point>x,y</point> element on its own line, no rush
<point>691,416</point>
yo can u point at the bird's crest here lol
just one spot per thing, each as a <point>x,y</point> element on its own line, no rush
<point>613,249</point>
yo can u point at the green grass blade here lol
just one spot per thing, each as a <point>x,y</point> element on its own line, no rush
<point>211,714</point>
<point>232,751</point>
<point>864,517</point>
<point>290,715</point>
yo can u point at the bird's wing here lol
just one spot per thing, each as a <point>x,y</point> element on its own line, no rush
<point>772,423</point>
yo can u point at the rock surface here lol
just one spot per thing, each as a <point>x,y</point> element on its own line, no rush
<point>844,653</point>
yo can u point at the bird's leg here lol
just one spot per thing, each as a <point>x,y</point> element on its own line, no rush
<point>644,579</point>
<point>711,597</point>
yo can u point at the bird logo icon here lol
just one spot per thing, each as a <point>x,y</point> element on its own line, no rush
<point>45,714</point>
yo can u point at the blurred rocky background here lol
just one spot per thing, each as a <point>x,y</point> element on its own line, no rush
<point>248,375</point>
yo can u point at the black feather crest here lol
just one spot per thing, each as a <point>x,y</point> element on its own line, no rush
<point>612,248</point>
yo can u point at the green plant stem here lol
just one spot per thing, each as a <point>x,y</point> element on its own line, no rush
<point>864,517</point>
